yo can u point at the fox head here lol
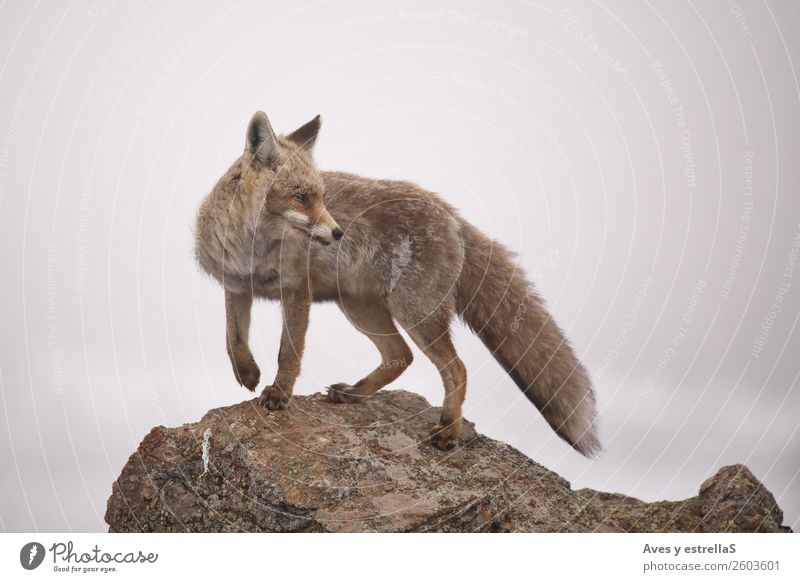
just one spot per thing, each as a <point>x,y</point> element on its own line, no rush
<point>281,172</point>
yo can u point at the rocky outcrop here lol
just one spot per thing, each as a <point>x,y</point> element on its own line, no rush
<point>320,466</point>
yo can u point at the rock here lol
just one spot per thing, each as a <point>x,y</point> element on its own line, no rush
<point>320,466</point>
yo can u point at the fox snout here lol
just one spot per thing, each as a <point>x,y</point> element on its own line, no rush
<point>323,228</point>
<point>326,231</point>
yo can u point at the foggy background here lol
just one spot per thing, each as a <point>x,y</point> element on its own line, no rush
<point>641,158</point>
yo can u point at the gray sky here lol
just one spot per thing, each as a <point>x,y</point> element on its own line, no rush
<point>642,159</point>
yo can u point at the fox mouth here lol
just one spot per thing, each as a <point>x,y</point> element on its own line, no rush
<point>312,236</point>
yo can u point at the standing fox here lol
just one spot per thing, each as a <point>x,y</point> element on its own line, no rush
<point>385,251</point>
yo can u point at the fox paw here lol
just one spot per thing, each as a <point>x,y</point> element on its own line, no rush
<point>445,438</point>
<point>343,393</point>
<point>247,374</point>
<point>273,398</point>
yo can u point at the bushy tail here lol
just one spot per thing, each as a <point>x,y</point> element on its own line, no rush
<point>502,308</point>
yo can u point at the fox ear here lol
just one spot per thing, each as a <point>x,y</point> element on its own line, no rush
<point>261,142</point>
<point>306,136</point>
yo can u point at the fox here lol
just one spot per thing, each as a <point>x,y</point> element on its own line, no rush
<point>387,253</point>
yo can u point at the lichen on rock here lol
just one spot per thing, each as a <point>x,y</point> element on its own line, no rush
<point>368,466</point>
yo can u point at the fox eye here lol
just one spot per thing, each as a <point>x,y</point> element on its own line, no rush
<point>302,199</point>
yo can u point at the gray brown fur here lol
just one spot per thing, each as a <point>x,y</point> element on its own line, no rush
<point>407,256</point>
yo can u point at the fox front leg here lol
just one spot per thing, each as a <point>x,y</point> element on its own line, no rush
<point>295,306</point>
<point>237,313</point>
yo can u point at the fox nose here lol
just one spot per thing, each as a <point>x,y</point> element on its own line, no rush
<point>337,233</point>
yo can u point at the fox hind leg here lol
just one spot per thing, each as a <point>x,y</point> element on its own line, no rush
<point>431,333</point>
<point>374,321</point>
